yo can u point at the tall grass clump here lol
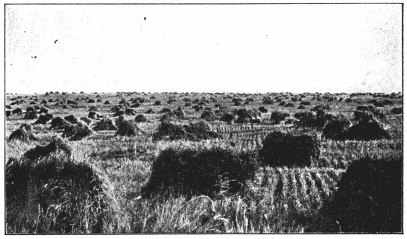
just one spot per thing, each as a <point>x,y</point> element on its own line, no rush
<point>195,168</point>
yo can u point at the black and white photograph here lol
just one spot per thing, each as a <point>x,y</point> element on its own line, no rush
<point>173,118</point>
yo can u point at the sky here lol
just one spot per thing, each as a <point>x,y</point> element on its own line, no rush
<point>203,48</point>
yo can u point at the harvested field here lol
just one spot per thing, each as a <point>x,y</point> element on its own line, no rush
<point>276,198</point>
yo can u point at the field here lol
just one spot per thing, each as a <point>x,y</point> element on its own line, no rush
<point>277,199</point>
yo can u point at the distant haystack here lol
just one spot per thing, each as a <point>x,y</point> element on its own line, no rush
<point>336,127</point>
<point>43,110</point>
<point>125,128</point>
<point>197,107</point>
<point>321,107</point>
<point>150,111</point>
<point>30,115</point>
<point>301,107</point>
<point>359,115</point>
<point>135,105</point>
<point>278,116</point>
<point>396,110</point>
<point>129,111</point>
<point>208,116</point>
<point>290,121</point>
<point>180,113</point>
<point>165,110</point>
<point>248,116</point>
<point>105,124</point>
<point>117,108</point>
<point>77,131</point>
<point>263,109</point>
<point>387,102</point>
<point>228,118</point>
<point>366,129</point>
<point>194,131</point>
<point>93,115</point>
<point>169,130</point>
<point>200,130</point>
<point>378,104</point>
<point>168,117</point>
<point>58,123</point>
<point>56,146</point>
<point>368,109</point>
<point>43,119</point>
<point>86,120</point>
<point>71,119</point>
<point>315,120</point>
<point>17,111</point>
<point>23,133</point>
<point>140,118</point>
<point>118,113</point>
<point>30,109</point>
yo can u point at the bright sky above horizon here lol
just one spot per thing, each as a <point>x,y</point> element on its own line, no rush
<point>204,48</point>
